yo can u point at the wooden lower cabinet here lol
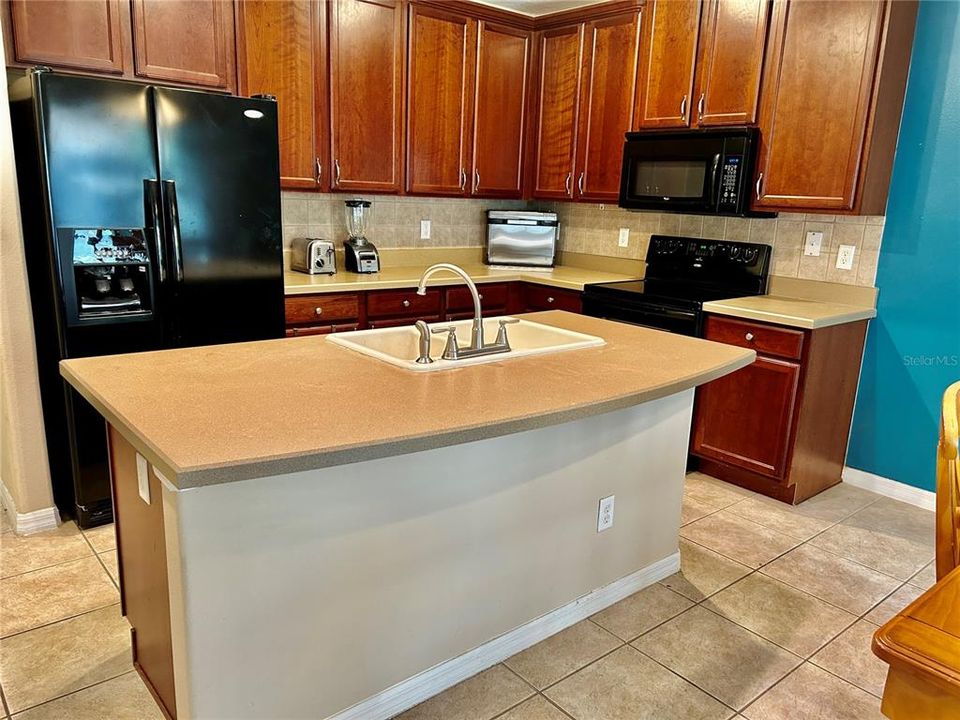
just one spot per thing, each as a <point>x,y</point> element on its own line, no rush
<point>545,297</point>
<point>780,425</point>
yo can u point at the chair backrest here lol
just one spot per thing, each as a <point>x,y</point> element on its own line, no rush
<point>948,485</point>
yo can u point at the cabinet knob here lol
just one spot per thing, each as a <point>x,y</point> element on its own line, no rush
<point>480,295</point>
<point>749,337</point>
<point>318,311</point>
<point>550,299</point>
<point>406,303</point>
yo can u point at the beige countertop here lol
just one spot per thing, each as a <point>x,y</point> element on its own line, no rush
<point>223,413</point>
<point>794,312</point>
<point>562,276</point>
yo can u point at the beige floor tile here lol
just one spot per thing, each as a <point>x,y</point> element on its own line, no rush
<point>692,509</point>
<point>711,491</point>
<point>22,553</point>
<point>894,603</point>
<point>897,519</point>
<point>836,503</point>
<point>6,525</point>
<point>481,697</point>
<point>716,655</point>
<point>559,655</point>
<point>782,614</point>
<point>536,708</point>
<point>626,685</point>
<point>102,538</point>
<point>810,693</point>
<point>839,581</point>
<point>109,559</point>
<point>703,572</point>
<point>44,596</point>
<point>926,578</point>
<point>123,698</point>
<point>62,658</point>
<point>850,657</point>
<point>643,610</point>
<point>877,549</point>
<point>738,539</point>
<point>779,516</point>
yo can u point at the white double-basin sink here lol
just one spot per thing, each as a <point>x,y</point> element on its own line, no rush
<point>400,345</point>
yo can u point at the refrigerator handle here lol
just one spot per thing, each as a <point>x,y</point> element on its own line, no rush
<point>173,226</point>
<point>151,211</point>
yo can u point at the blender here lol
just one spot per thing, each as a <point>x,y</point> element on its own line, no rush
<point>361,254</point>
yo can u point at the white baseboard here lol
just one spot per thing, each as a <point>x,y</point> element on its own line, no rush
<point>412,691</point>
<point>891,488</point>
<point>31,522</point>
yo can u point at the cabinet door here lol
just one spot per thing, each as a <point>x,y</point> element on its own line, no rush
<point>815,101</point>
<point>560,53</point>
<point>610,71</point>
<point>499,116</point>
<point>666,70</point>
<point>48,33</point>
<point>281,53</point>
<point>366,94</point>
<point>185,41</point>
<point>439,113</point>
<point>746,418</point>
<point>732,38</point>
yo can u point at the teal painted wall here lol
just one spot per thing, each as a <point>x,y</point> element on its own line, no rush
<point>913,347</point>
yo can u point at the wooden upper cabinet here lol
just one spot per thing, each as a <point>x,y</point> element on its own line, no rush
<point>606,111</point>
<point>500,102</point>
<point>816,99</point>
<point>560,54</point>
<point>366,94</point>
<point>281,52</point>
<point>732,38</point>
<point>439,112</point>
<point>669,53</point>
<point>185,41</point>
<point>88,35</point>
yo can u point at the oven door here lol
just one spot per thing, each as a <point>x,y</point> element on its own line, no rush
<point>679,173</point>
<point>656,316</point>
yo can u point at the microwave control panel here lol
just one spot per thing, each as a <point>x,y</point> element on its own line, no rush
<point>730,182</point>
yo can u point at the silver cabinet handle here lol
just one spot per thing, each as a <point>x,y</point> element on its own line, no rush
<point>551,299</point>
<point>476,180</point>
<point>463,179</point>
<point>700,107</point>
<point>568,184</point>
<point>749,337</point>
<point>683,107</point>
<point>319,170</point>
<point>318,311</point>
<point>336,172</point>
<point>580,183</point>
<point>759,184</point>
<point>406,303</point>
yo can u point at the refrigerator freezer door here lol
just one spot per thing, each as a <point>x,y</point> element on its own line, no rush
<point>221,194</point>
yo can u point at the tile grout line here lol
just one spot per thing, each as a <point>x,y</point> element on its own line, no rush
<point>59,620</point>
<point>3,704</point>
<point>99,682</point>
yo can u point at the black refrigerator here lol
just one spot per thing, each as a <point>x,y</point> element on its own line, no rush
<point>151,220</point>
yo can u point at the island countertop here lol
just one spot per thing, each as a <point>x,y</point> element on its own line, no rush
<point>224,413</point>
<point>804,313</point>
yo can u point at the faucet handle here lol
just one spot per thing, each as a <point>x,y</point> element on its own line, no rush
<point>451,351</point>
<point>502,332</point>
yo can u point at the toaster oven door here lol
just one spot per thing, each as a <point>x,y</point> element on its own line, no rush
<point>521,242</point>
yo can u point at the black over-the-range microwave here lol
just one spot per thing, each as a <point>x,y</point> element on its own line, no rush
<point>695,171</point>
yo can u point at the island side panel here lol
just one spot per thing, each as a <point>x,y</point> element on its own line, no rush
<point>141,549</point>
<point>345,581</point>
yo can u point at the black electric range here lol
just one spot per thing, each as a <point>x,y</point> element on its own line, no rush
<point>682,274</point>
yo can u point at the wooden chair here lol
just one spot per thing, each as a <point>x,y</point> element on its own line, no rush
<point>922,642</point>
<point>948,485</point>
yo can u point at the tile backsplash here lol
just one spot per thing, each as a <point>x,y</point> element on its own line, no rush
<point>594,229</point>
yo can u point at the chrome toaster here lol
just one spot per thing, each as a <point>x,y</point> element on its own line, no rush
<point>313,256</point>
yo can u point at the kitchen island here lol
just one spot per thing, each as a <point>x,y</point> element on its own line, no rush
<point>304,531</point>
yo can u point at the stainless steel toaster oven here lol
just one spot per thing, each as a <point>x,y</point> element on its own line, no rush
<point>519,238</point>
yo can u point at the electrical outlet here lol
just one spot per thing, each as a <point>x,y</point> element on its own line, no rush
<point>624,239</point>
<point>845,255</point>
<point>605,514</point>
<point>424,229</point>
<point>812,246</point>
<point>143,478</point>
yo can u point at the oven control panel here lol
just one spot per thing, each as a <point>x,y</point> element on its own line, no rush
<point>697,253</point>
<point>729,183</point>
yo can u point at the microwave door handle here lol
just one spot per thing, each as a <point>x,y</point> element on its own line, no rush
<point>715,180</point>
<point>151,211</point>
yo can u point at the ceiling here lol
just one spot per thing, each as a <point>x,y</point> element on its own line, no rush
<point>538,7</point>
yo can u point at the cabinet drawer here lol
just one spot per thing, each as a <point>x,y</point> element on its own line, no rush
<point>765,339</point>
<point>403,302</point>
<point>542,297</point>
<point>491,296</point>
<point>400,322</point>
<point>309,309</point>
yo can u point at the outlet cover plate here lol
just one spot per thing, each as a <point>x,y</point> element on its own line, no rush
<point>845,255</point>
<point>814,241</point>
<point>605,513</point>
<point>624,238</point>
<point>424,229</point>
